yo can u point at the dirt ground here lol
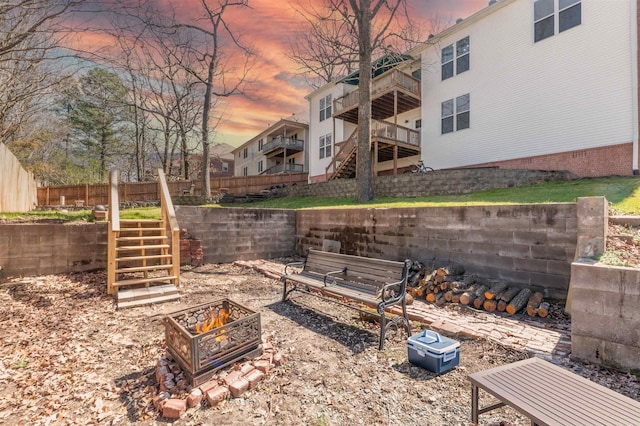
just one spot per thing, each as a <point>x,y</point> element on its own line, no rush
<point>68,357</point>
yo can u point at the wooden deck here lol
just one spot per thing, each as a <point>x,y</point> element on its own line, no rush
<point>550,395</point>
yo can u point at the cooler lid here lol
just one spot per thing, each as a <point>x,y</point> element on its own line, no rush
<point>430,341</point>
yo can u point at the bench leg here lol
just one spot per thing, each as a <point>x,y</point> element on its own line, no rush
<point>383,330</point>
<point>284,289</point>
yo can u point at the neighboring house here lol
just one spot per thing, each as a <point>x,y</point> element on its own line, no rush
<point>281,148</point>
<point>221,161</point>
<point>535,84</point>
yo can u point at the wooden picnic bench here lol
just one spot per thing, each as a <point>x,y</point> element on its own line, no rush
<point>550,395</point>
<point>352,281</point>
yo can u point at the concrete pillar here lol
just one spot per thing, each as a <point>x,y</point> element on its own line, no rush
<point>593,217</point>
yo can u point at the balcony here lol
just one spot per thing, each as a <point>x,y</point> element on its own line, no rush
<point>278,146</point>
<point>391,93</point>
<point>284,168</point>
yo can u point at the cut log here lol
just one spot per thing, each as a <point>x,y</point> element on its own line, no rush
<point>452,278</point>
<point>454,269</point>
<point>455,298</point>
<point>409,299</point>
<point>497,288</point>
<point>490,305</point>
<point>468,296</point>
<point>543,309</point>
<point>479,301</point>
<point>438,279</point>
<point>440,300</point>
<point>448,295</point>
<point>431,297</point>
<point>519,301</point>
<point>480,290</point>
<point>534,301</point>
<point>458,286</point>
<point>444,286</point>
<point>502,305</point>
<point>509,294</point>
<point>470,279</point>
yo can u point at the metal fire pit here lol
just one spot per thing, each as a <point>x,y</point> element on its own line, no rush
<point>201,355</point>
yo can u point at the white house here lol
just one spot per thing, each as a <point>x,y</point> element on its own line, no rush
<point>536,84</point>
<point>281,148</point>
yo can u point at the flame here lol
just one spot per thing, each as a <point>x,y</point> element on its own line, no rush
<point>214,322</point>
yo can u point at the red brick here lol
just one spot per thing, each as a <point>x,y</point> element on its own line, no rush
<point>278,358</point>
<point>195,398</point>
<point>254,377</point>
<point>263,365</point>
<point>217,395</point>
<point>267,347</point>
<point>174,408</point>
<point>161,371</point>
<point>246,368</point>
<point>232,377</point>
<point>267,356</point>
<point>160,399</point>
<point>239,387</point>
<point>207,386</point>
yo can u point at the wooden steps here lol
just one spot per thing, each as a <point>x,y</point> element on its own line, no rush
<point>132,297</point>
<point>143,254</point>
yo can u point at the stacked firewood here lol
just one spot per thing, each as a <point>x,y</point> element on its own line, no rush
<point>449,284</point>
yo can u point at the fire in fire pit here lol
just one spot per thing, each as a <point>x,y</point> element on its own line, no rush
<point>208,337</point>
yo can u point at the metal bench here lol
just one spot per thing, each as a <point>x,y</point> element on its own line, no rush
<point>550,395</point>
<point>352,280</point>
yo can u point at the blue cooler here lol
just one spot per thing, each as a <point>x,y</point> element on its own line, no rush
<point>434,352</point>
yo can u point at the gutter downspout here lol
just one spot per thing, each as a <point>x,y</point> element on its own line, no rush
<point>634,80</point>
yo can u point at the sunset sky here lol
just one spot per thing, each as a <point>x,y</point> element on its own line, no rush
<point>269,27</point>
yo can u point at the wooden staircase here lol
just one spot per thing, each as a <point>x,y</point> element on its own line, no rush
<point>343,164</point>
<point>144,255</point>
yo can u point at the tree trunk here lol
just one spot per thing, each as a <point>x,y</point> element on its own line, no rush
<point>364,179</point>
<point>519,301</point>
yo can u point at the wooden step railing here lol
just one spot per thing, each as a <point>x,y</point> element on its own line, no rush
<point>346,148</point>
<point>169,220</point>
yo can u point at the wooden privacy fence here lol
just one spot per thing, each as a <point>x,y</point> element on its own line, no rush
<point>95,194</point>
<point>17,186</point>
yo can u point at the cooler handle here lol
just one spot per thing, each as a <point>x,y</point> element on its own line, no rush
<point>435,337</point>
<point>449,356</point>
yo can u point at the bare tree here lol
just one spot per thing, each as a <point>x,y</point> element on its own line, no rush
<point>352,30</point>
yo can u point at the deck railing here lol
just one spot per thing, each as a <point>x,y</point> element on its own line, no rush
<point>386,82</point>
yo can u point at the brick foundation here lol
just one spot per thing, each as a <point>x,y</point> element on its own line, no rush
<point>604,161</point>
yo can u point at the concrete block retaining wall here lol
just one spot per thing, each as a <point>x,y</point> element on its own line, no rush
<point>229,234</point>
<point>38,249</point>
<point>530,245</point>
<point>605,314</point>
<point>440,182</point>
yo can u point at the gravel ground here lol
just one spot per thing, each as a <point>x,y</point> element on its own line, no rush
<point>68,357</point>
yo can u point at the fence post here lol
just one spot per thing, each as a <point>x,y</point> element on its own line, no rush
<point>86,195</point>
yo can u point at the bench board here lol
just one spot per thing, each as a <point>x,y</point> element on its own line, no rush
<point>550,395</point>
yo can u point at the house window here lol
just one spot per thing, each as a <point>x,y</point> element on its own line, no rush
<point>325,146</point>
<point>418,124</point>
<point>225,167</point>
<point>457,119</point>
<point>447,116</point>
<point>546,21</point>
<point>462,112</point>
<point>260,166</point>
<point>245,171</point>
<point>245,153</point>
<point>455,61</point>
<point>325,107</point>
<point>260,144</point>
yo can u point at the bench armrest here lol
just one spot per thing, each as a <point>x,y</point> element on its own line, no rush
<point>328,275</point>
<point>293,265</point>
<point>392,293</point>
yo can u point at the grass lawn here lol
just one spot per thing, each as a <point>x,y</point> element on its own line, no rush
<point>623,194</point>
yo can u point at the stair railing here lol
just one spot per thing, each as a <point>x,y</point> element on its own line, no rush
<point>113,229</point>
<point>169,220</point>
<point>342,154</point>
